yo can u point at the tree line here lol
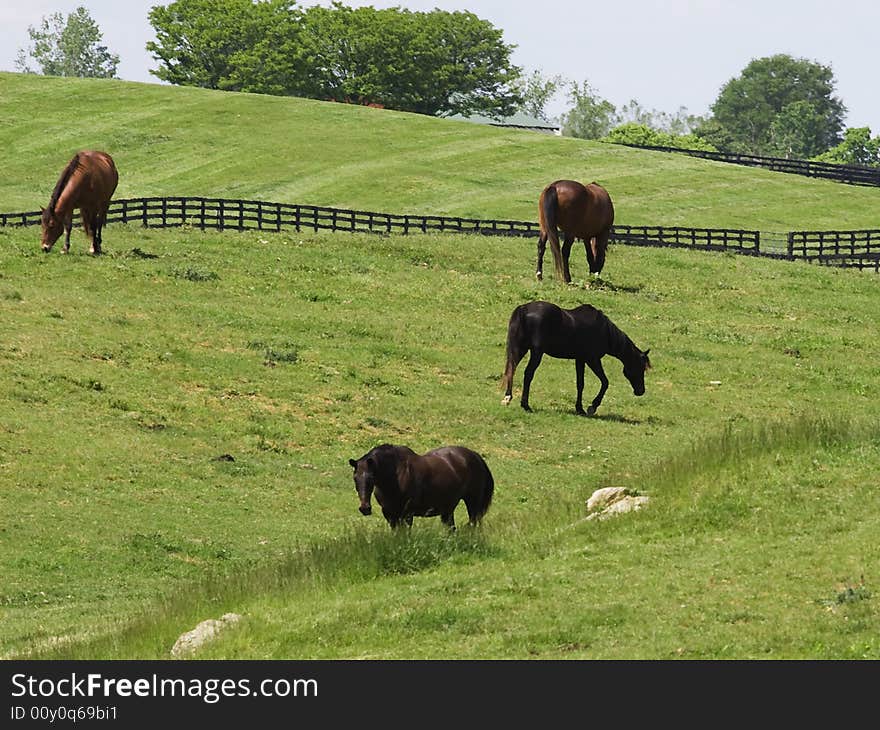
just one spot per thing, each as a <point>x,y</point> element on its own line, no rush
<point>446,63</point>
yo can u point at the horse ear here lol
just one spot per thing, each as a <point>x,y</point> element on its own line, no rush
<point>354,464</point>
<point>370,462</point>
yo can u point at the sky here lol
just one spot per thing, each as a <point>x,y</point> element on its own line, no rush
<point>663,54</point>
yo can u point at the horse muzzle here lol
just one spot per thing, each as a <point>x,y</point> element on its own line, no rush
<point>639,391</point>
<point>366,510</point>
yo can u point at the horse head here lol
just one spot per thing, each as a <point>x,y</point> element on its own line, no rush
<point>597,260</point>
<point>51,229</point>
<point>634,369</point>
<point>364,481</point>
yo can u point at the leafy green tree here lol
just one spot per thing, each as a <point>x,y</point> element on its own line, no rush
<point>68,46</point>
<point>590,116</point>
<point>644,136</point>
<point>224,44</point>
<point>537,90</point>
<point>437,63</point>
<point>679,123</point>
<point>798,131</point>
<point>857,148</point>
<point>748,106</point>
<point>431,63</point>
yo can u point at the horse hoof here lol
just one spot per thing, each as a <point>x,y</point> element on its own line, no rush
<point>591,411</point>
<point>539,276</point>
<point>506,400</point>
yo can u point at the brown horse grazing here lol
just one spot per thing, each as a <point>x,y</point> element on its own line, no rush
<point>407,484</point>
<point>88,182</point>
<point>581,211</point>
<point>583,334</point>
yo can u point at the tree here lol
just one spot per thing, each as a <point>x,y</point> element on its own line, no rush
<point>68,47</point>
<point>432,63</point>
<point>680,123</point>
<point>857,148</point>
<point>224,44</point>
<point>641,135</point>
<point>439,63</point>
<point>748,106</point>
<point>590,117</point>
<point>537,90</point>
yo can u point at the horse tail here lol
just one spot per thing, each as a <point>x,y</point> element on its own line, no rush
<point>515,349</point>
<point>62,181</point>
<point>549,204</point>
<point>482,506</point>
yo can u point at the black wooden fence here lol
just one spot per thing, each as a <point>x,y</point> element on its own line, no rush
<point>840,248</point>
<point>851,174</point>
<point>859,249</point>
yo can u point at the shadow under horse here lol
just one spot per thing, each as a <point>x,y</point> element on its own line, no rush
<point>88,182</point>
<point>583,334</point>
<point>409,485</point>
<point>580,211</point>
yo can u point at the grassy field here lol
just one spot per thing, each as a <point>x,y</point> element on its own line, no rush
<point>176,417</point>
<point>184,141</point>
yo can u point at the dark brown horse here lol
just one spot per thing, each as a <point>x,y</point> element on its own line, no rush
<point>583,334</point>
<point>408,485</point>
<point>580,211</point>
<point>88,182</point>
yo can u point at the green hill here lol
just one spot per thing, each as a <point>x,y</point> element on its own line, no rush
<point>176,417</point>
<point>182,141</point>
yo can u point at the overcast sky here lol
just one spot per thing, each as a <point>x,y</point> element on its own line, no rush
<point>664,54</point>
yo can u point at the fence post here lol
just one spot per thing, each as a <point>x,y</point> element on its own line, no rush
<point>790,251</point>
<point>144,219</point>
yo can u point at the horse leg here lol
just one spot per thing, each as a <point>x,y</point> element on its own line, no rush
<point>542,247</point>
<point>448,519</point>
<point>566,254</point>
<point>88,223</point>
<point>591,259</point>
<point>579,404</point>
<point>596,367</point>
<point>534,361</point>
<point>68,226</point>
<point>514,355</point>
<point>96,234</point>
<point>100,219</point>
<point>601,248</point>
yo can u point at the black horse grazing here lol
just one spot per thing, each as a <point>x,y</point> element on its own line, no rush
<point>407,484</point>
<point>583,334</point>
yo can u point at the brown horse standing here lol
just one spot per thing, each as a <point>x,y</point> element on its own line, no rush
<point>409,485</point>
<point>581,211</point>
<point>88,182</point>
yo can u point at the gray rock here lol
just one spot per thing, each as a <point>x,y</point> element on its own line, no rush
<point>204,632</point>
<point>610,501</point>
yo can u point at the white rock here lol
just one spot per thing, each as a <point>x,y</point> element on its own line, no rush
<point>613,501</point>
<point>204,632</point>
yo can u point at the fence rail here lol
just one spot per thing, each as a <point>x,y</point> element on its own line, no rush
<point>850,174</point>
<point>859,249</point>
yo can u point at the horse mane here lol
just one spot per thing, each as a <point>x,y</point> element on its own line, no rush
<point>62,181</point>
<point>619,341</point>
<point>387,457</point>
